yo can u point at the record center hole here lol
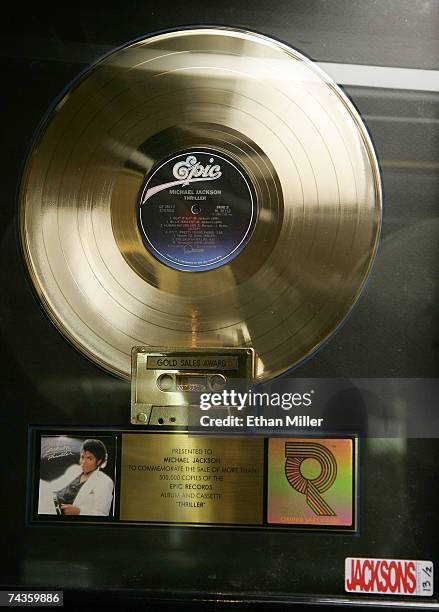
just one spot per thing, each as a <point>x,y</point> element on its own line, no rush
<point>196,209</point>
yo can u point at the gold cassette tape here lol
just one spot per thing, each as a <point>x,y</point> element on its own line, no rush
<point>166,382</point>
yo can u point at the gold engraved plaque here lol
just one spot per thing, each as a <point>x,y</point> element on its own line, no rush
<point>178,478</point>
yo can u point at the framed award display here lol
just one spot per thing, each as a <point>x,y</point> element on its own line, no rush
<point>220,384</point>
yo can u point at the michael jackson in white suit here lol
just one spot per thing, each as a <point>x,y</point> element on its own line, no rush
<point>84,488</point>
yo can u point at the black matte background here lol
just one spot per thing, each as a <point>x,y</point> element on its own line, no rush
<point>391,333</point>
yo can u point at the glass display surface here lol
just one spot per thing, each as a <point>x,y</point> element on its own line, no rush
<point>385,57</point>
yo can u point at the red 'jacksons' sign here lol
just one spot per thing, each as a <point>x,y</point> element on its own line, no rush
<point>389,576</point>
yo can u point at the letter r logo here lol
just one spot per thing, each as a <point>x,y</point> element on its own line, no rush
<point>296,453</point>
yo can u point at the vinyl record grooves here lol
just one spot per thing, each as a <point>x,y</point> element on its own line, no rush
<point>274,261</point>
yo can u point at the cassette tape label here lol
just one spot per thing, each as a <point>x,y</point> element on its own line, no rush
<point>186,362</point>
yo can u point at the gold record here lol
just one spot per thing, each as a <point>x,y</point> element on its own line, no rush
<point>252,102</point>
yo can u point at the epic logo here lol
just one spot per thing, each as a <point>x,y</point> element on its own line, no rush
<point>191,168</point>
<point>296,453</point>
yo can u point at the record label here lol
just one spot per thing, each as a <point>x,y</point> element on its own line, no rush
<point>196,210</point>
